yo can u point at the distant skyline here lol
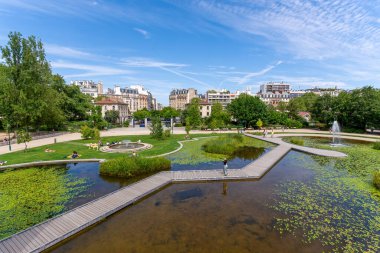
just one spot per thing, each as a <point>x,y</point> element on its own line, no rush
<point>166,45</point>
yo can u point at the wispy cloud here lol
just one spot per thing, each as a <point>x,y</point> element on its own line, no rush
<point>90,70</point>
<point>170,67</point>
<point>149,63</point>
<point>66,52</point>
<point>317,30</point>
<point>144,33</point>
<point>249,76</point>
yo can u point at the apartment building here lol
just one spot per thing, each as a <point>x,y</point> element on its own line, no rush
<point>89,87</point>
<point>178,98</point>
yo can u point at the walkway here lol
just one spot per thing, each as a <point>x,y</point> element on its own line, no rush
<point>177,130</point>
<point>53,231</point>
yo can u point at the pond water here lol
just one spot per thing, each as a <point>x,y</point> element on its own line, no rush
<point>301,205</point>
<point>241,158</point>
<point>96,185</point>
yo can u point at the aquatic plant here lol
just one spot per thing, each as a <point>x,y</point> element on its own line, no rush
<point>376,145</point>
<point>333,208</point>
<point>133,166</point>
<point>225,145</point>
<point>376,179</point>
<point>30,196</point>
<point>297,141</point>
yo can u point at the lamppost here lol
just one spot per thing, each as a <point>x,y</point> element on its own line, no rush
<point>9,137</point>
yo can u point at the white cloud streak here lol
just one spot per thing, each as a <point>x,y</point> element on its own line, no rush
<point>90,70</point>
<point>144,33</point>
<point>66,52</point>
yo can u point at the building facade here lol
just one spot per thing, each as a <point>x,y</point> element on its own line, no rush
<point>135,96</point>
<point>89,87</point>
<point>205,109</point>
<point>273,93</point>
<point>180,97</point>
<point>114,104</point>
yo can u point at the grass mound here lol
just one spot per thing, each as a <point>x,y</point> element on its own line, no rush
<point>128,167</point>
<point>376,145</point>
<point>225,145</point>
<point>297,141</point>
<point>376,179</point>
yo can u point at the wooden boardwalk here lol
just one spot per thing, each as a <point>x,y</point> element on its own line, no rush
<point>53,231</point>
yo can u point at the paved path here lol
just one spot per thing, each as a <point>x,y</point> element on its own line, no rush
<point>53,231</point>
<point>146,131</point>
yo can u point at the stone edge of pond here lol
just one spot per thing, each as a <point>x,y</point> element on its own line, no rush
<point>52,162</point>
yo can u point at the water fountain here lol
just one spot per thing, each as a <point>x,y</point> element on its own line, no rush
<point>126,146</point>
<point>335,129</point>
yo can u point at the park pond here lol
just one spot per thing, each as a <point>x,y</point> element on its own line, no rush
<point>304,204</point>
<point>32,195</point>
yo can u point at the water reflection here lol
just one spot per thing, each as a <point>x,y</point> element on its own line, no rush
<point>199,217</point>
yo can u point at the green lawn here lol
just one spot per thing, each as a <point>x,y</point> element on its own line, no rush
<point>62,150</point>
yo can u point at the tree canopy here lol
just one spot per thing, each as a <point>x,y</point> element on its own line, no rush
<point>247,109</point>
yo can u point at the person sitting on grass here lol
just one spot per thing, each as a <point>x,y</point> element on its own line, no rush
<point>73,155</point>
<point>2,162</point>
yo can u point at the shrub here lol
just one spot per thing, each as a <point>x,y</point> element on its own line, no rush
<point>178,125</point>
<point>89,133</point>
<point>376,179</point>
<point>167,133</point>
<point>376,145</point>
<point>126,123</point>
<point>128,167</point>
<point>225,145</point>
<point>297,141</point>
<point>156,130</point>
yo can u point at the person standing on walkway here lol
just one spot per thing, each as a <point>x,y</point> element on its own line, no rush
<point>225,166</point>
<point>272,133</point>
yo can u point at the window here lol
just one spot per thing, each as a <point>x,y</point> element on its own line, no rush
<point>208,114</point>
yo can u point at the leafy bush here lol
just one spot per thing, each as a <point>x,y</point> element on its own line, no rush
<point>297,141</point>
<point>376,179</point>
<point>376,145</point>
<point>89,133</point>
<point>291,123</point>
<point>226,145</point>
<point>178,125</point>
<point>133,166</point>
<point>156,130</point>
<point>167,133</point>
<point>126,123</point>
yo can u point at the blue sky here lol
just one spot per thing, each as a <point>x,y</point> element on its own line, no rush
<point>204,44</point>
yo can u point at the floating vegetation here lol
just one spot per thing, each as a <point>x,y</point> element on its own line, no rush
<point>30,196</point>
<point>128,167</point>
<point>192,152</point>
<point>335,207</point>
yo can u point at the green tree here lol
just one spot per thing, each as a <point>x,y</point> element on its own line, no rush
<point>219,117</point>
<point>169,112</point>
<point>156,129</point>
<point>323,110</point>
<point>28,77</point>
<point>295,106</point>
<point>112,116</point>
<point>95,119</point>
<point>23,137</point>
<point>259,123</point>
<point>193,113</point>
<point>282,106</point>
<point>141,114</point>
<point>74,104</point>
<point>188,126</point>
<point>247,109</point>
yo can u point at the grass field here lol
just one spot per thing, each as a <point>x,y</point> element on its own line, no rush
<point>62,150</point>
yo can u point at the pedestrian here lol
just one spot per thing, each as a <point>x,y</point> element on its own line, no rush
<point>272,133</point>
<point>225,167</point>
<point>264,133</point>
